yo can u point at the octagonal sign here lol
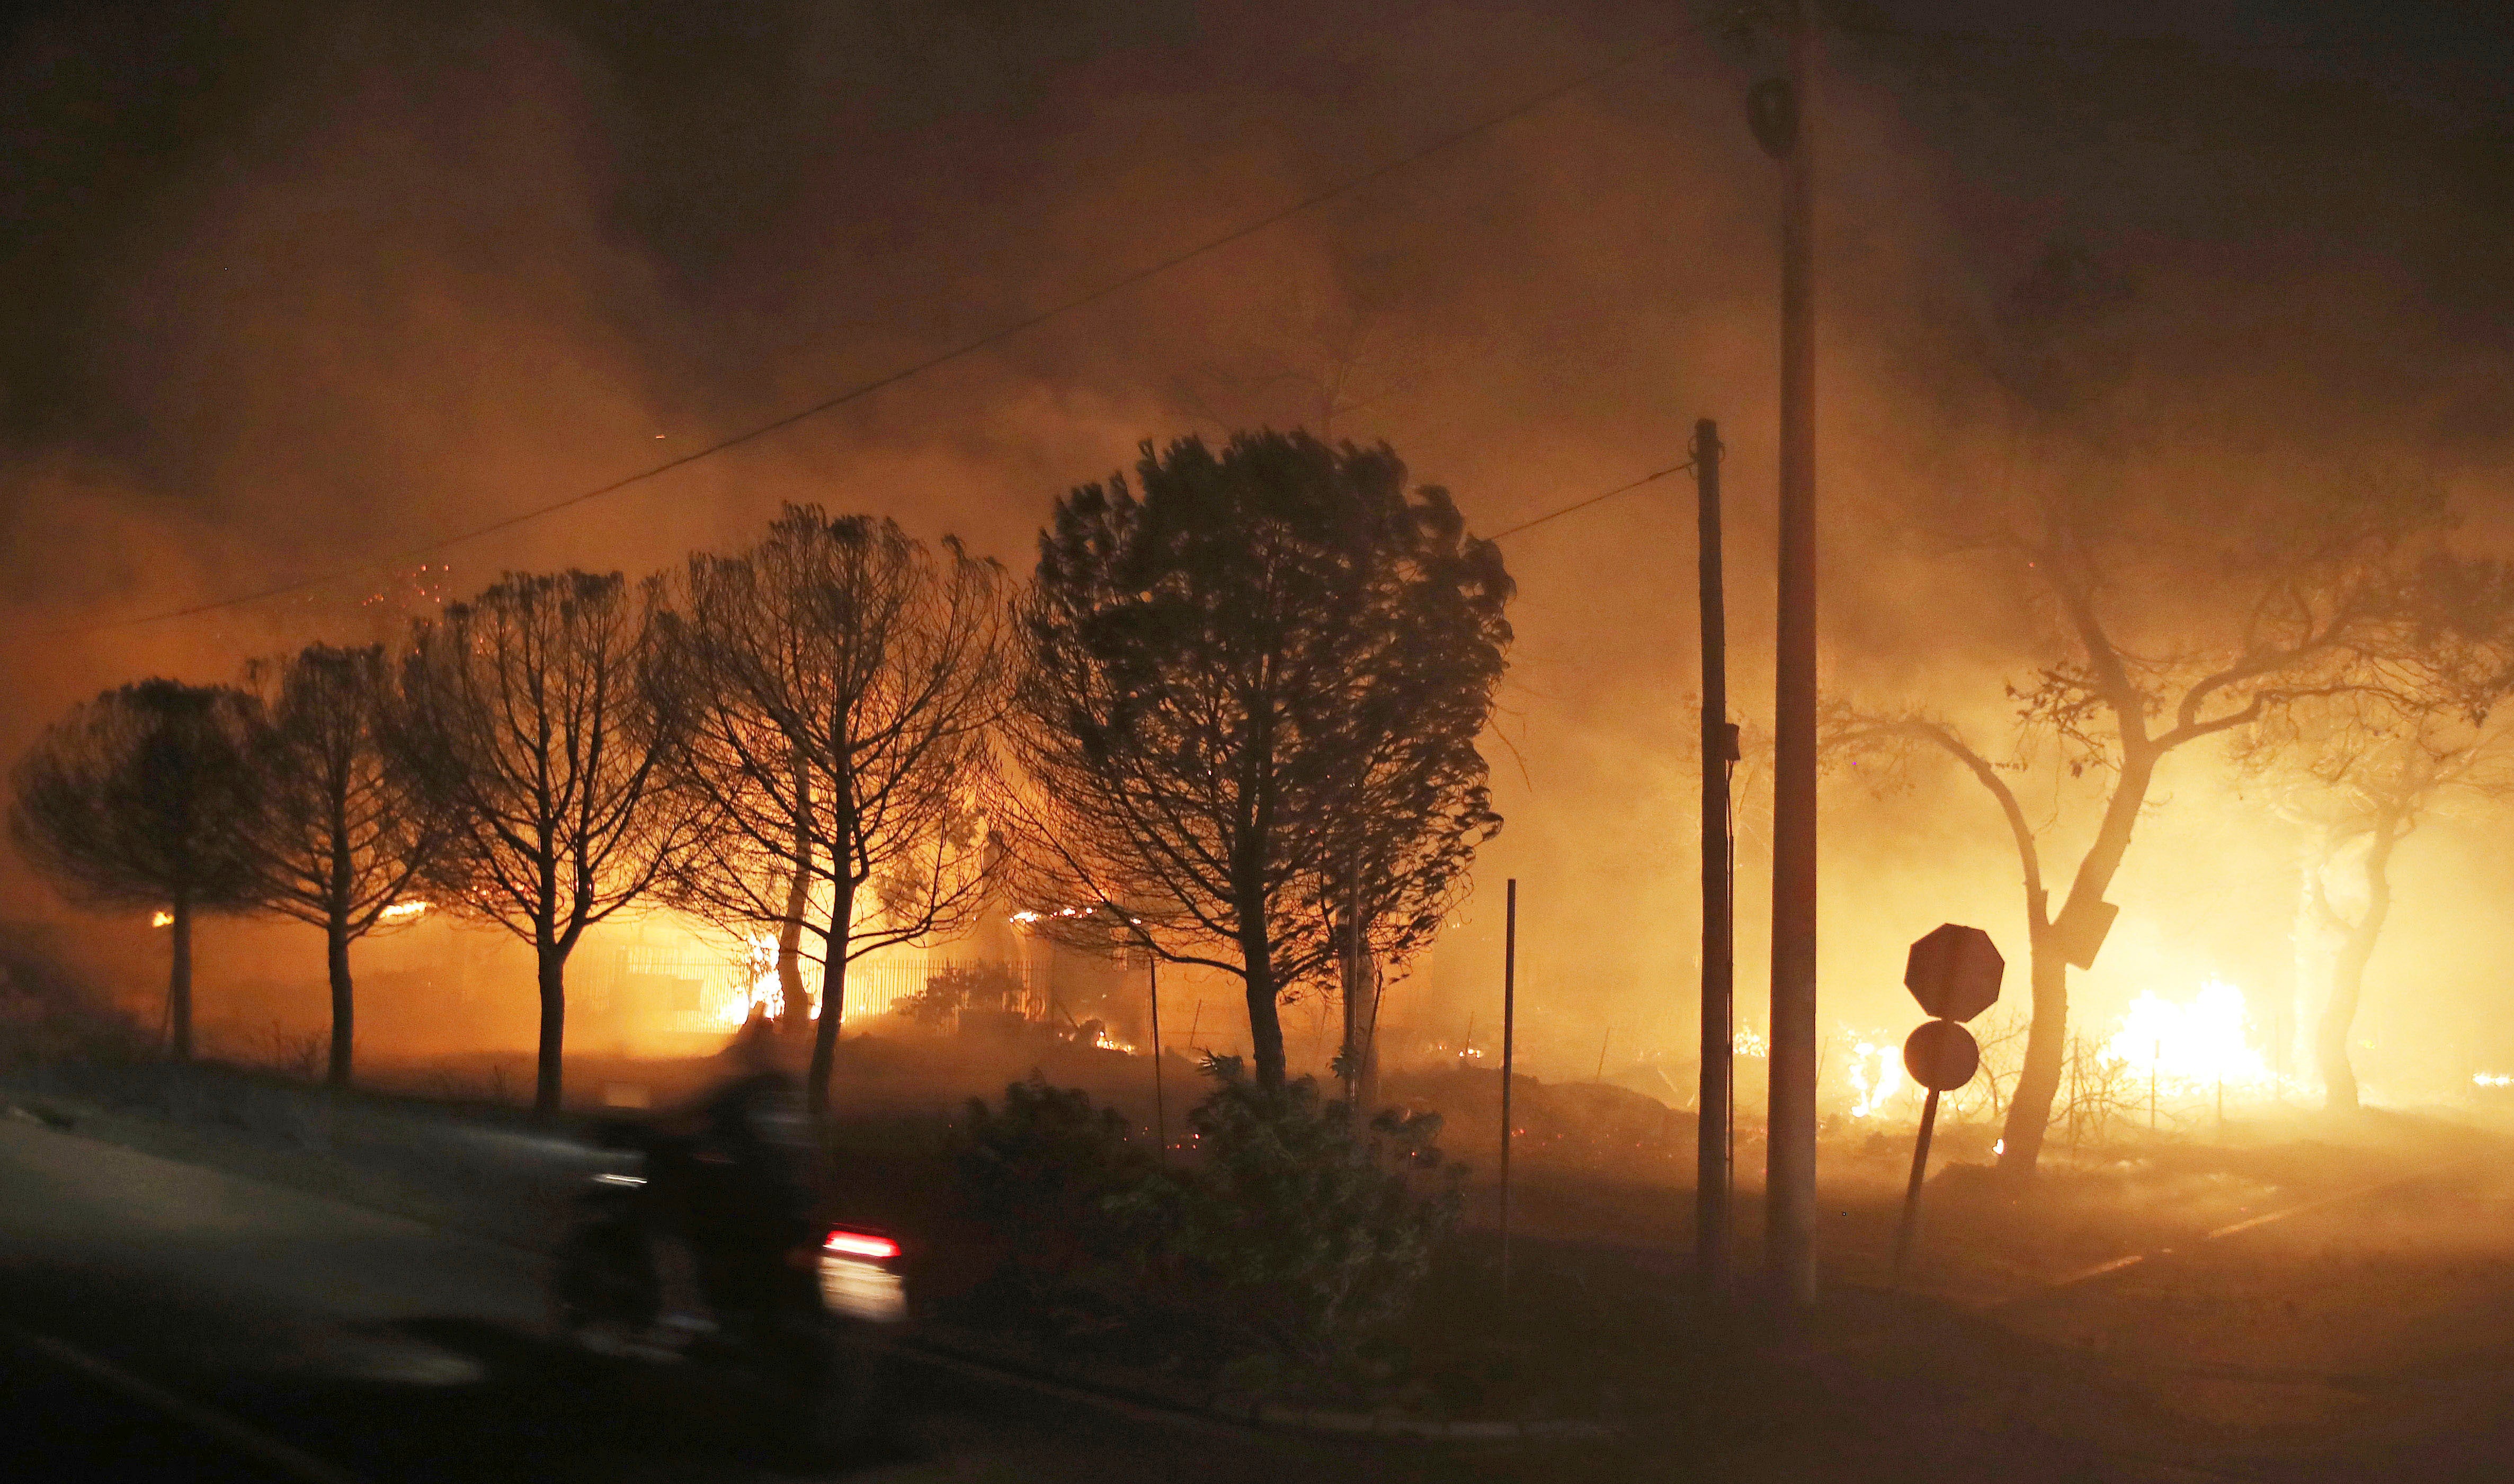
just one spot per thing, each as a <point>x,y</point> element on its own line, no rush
<point>1954,972</point>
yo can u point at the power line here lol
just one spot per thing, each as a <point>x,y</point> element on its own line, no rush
<point>965,348</point>
<point>2092,40</point>
<point>1582,504</point>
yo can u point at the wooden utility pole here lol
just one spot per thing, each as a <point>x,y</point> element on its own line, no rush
<point>1508,1024</point>
<point>1713,1176</point>
<point>1783,121</point>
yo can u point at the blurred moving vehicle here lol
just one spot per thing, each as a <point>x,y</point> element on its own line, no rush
<point>686,1250</point>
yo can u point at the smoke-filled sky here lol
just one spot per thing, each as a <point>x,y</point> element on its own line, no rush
<point>287,289</point>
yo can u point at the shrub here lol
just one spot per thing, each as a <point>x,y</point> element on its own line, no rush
<point>46,1018</point>
<point>1291,1237</point>
<point>1296,1234</point>
<point>1046,1173</point>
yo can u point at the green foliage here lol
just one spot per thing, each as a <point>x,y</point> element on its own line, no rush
<point>1047,1173</point>
<point>1291,1238</point>
<point>1297,1233</point>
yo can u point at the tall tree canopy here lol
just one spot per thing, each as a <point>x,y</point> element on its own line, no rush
<point>143,798</point>
<point>343,833</point>
<point>1253,689</point>
<point>527,718</point>
<point>838,685</point>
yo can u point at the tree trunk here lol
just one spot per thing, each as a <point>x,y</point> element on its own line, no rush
<point>335,958</point>
<point>1349,1053</point>
<point>2348,976</point>
<point>551,962</point>
<point>2047,1037</point>
<point>335,955</point>
<point>833,1000</point>
<point>1265,1016</point>
<point>179,981</point>
<point>799,899</point>
<point>2330,1038</point>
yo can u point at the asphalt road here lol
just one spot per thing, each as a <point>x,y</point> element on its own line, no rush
<point>61,1423</point>
<point>2369,1336</point>
<point>166,1321</point>
<point>161,1320</point>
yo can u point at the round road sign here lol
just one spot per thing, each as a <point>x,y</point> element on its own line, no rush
<point>1941,1056</point>
<point>1955,972</point>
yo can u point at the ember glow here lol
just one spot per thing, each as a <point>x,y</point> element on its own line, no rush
<point>1026,917</point>
<point>161,919</point>
<point>2191,1046</point>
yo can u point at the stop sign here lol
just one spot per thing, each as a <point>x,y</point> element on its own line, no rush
<point>1941,1056</point>
<point>1954,972</point>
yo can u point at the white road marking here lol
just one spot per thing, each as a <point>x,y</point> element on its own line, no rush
<point>251,1441</point>
<point>2336,1197</point>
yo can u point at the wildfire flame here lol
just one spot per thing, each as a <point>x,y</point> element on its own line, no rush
<point>2491,1080</point>
<point>404,911</point>
<point>161,919</point>
<point>2193,1045</point>
<point>1877,1086</point>
<point>755,984</point>
<point>1026,917</point>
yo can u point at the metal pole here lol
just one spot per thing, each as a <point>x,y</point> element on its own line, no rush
<point>1351,987</point>
<point>1509,1011</point>
<point>1603,1041</point>
<point>1713,1176</point>
<point>1789,1182</point>
<point>1161,1114</point>
<point>1912,1192</point>
<point>2074,1108</point>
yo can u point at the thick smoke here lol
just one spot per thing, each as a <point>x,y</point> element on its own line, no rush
<point>304,284</point>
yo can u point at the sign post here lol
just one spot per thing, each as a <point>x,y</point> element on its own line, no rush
<point>1954,972</point>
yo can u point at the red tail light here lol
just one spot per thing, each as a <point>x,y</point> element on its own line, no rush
<point>861,1244</point>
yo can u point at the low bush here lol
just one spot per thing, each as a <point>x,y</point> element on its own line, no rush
<point>1296,1233</point>
<point>47,1017</point>
<point>1292,1236</point>
<point>1046,1173</point>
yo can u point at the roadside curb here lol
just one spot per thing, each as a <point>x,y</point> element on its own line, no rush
<point>1134,1392</point>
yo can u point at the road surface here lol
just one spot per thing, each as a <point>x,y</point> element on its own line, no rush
<point>168,1321</point>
